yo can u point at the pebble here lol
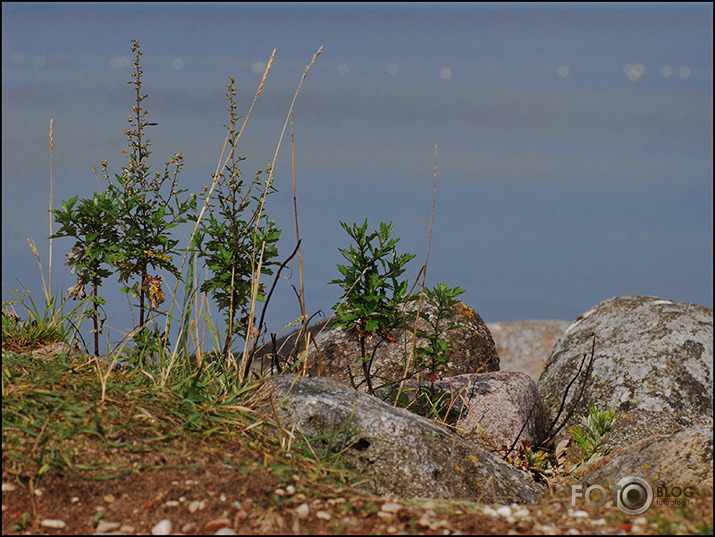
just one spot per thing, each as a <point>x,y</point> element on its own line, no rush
<point>391,507</point>
<point>323,515</point>
<point>104,527</point>
<point>162,528</point>
<point>217,524</point>
<point>196,505</point>
<point>504,511</point>
<point>302,510</point>
<point>52,523</point>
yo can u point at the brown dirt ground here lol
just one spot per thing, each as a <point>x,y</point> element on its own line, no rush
<point>238,485</point>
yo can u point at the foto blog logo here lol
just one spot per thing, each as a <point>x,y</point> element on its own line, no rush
<point>632,495</point>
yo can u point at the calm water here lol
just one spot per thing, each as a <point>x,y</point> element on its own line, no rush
<point>575,144</point>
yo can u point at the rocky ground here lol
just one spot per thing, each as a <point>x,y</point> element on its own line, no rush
<point>230,487</point>
<point>162,477</point>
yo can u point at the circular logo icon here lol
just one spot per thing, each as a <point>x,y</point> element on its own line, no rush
<point>633,495</point>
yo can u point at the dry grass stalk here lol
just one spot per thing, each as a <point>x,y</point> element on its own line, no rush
<point>423,270</point>
<point>52,145</point>
<point>250,342</point>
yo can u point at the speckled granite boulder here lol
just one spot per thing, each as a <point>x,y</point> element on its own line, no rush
<point>396,452</point>
<point>651,354</point>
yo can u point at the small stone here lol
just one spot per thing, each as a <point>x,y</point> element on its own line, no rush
<point>489,511</point>
<point>640,521</point>
<point>52,523</point>
<point>280,492</point>
<point>302,510</point>
<point>109,498</point>
<point>189,528</point>
<point>391,507</point>
<point>225,531</point>
<point>162,528</point>
<point>222,497</point>
<point>504,511</point>
<point>38,492</point>
<point>290,489</point>
<point>105,527</point>
<point>7,487</point>
<point>126,529</point>
<point>217,523</point>
<point>196,505</point>
<point>171,503</point>
<point>74,499</point>
<point>580,514</point>
<point>521,512</point>
<point>323,515</point>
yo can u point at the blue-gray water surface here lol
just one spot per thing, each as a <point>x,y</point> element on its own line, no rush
<point>574,142</point>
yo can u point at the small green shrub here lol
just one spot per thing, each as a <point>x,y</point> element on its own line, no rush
<point>229,237</point>
<point>589,436</point>
<point>372,291</point>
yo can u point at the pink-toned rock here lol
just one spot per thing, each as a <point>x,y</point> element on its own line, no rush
<point>496,409</point>
<point>526,345</point>
<point>337,352</point>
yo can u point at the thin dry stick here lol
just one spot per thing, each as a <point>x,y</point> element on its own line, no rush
<point>33,247</point>
<point>255,284</point>
<point>52,145</point>
<point>280,139</point>
<point>422,287</point>
<point>254,296</point>
<point>297,234</point>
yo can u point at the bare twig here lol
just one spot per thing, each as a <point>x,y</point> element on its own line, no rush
<point>550,434</point>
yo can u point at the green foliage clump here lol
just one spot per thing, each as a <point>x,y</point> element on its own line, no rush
<point>433,357</point>
<point>590,435</point>
<point>372,291</point>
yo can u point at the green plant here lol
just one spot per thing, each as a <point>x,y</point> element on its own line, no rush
<point>50,325</point>
<point>433,356</point>
<point>531,459</point>
<point>143,211</point>
<point>91,222</point>
<point>589,436</point>
<point>372,292</point>
<point>229,237</point>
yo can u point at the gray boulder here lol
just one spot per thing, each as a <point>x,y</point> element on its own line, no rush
<point>682,459</point>
<point>650,354</point>
<point>526,345</point>
<point>395,451</point>
<point>653,364</point>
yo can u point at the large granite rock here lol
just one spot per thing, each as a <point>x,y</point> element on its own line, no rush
<point>653,364</point>
<point>650,354</point>
<point>395,451</point>
<point>336,353</point>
